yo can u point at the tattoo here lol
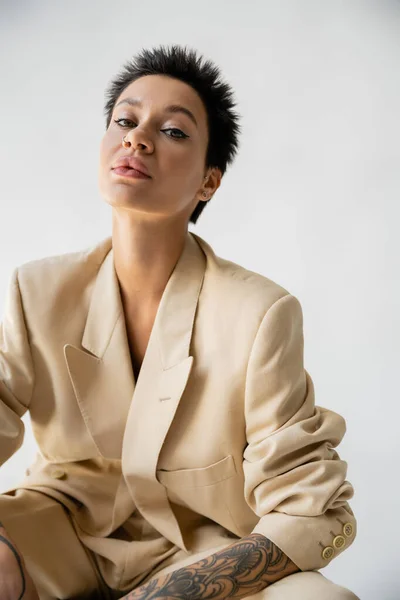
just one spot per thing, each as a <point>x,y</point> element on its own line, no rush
<point>242,569</point>
<point>18,559</point>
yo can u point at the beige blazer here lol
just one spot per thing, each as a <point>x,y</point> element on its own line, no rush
<point>221,422</point>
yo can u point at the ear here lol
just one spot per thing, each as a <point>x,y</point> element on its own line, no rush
<point>211,182</point>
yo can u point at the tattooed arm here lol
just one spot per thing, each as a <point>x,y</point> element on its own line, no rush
<point>242,569</point>
<point>15,582</point>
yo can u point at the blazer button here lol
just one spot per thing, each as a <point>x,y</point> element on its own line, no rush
<point>348,529</point>
<point>328,552</point>
<point>339,541</point>
<point>58,474</point>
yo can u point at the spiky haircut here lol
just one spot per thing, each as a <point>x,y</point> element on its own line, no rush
<point>205,78</point>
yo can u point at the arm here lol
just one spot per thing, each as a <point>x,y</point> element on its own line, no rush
<point>294,479</point>
<point>242,569</point>
<point>16,372</point>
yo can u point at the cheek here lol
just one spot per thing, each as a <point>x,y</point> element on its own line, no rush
<point>108,147</point>
<point>103,150</point>
<point>105,161</point>
<point>187,164</point>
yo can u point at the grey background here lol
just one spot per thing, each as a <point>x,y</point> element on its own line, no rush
<point>311,202</point>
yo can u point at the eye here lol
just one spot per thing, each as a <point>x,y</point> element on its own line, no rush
<point>119,122</point>
<point>175,133</point>
<point>172,132</point>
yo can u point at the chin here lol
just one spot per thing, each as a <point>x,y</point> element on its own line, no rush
<point>121,195</point>
<point>130,202</point>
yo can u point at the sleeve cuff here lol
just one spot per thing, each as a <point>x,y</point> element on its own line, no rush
<point>310,542</point>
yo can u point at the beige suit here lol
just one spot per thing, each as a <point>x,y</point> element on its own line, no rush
<point>218,438</point>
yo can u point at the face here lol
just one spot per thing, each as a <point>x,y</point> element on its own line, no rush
<point>164,123</point>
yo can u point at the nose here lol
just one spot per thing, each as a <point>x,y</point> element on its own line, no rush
<point>137,138</point>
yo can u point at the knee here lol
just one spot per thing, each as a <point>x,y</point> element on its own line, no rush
<point>12,577</point>
<point>11,582</point>
<point>344,594</point>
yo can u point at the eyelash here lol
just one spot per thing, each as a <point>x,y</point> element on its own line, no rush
<point>179,137</point>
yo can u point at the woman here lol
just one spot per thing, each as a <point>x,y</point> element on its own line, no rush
<point>181,451</point>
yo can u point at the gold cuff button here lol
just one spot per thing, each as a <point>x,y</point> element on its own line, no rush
<point>339,541</point>
<point>328,552</point>
<point>57,474</point>
<point>348,529</point>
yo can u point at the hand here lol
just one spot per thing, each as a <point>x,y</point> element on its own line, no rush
<point>15,581</point>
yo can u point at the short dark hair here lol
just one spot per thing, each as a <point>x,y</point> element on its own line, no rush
<point>205,78</point>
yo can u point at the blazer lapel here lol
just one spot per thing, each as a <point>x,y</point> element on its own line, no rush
<point>101,371</point>
<point>162,380</point>
<point>129,419</point>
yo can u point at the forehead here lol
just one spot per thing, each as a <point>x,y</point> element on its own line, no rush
<point>156,92</point>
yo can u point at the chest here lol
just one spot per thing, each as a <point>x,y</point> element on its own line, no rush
<point>139,325</point>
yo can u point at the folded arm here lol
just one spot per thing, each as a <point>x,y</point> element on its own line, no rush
<point>294,479</point>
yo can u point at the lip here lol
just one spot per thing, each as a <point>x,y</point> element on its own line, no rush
<point>130,173</point>
<point>127,163</point>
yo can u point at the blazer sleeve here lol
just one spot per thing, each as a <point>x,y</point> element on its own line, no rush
<point>16,372</point>
<point>294,479</point>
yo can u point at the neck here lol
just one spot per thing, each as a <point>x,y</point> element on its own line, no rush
<point>145,254</point>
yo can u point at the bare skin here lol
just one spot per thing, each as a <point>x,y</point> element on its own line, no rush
<point>245,568</point>
<point>15,582</point>
<point>150,223</point>
<point>150,217</point>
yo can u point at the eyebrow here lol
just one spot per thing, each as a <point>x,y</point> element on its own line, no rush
<point>172,108</point>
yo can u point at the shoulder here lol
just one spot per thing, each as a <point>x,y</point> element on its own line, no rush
<point>234,283</point>
<point>61,271</point>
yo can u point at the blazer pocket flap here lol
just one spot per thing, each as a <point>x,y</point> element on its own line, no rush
<point>223,469</point>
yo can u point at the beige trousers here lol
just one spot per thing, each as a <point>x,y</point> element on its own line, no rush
<point>62,568</point>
